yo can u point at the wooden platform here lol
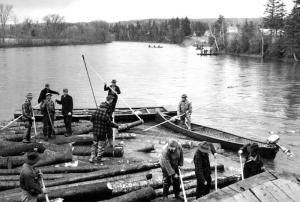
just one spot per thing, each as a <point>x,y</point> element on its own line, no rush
<point>265,187</point>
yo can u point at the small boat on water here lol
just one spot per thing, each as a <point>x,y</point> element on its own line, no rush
<point>121,114</point>
<point>159,46</point>
<point>207,54</point>
<point>227,140</point>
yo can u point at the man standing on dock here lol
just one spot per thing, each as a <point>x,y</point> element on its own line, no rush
<point>184,111</point>
<point>67,107</point>
<point>28,117</point>
<point>102,129</point>
<point>30,179</point>
<point>48,110</point>
<point>44,92</point>
<point>170,160</point>
<point>114,91</point>
<point>202,168</point>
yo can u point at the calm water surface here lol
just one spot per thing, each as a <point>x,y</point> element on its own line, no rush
<point>244,96</point>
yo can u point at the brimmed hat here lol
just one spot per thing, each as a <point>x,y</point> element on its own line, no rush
<point>184,96</point>
<point>65,90</point>
<point>29,95</point>
<point>204,147</point>
<point>32,157</point>
<point>253,148</point>
<point>114,81</point>
<point>48,94</point>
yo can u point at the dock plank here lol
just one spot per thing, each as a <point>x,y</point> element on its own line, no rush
<point>289,188</point>
<point>266,193</point>
<point>246,196</point>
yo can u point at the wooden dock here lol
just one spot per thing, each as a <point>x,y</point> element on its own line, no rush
<point>265,187</point>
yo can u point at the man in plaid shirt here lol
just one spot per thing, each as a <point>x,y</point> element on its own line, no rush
<point>102,129</point>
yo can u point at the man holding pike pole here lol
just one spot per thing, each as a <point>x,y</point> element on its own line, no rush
<point>48,110</point>
<point>184,111</point>
<point>28,117</point>
<point>102,129</point>
<point>113,90</point>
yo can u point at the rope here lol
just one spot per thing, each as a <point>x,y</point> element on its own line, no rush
<point>98,75</point>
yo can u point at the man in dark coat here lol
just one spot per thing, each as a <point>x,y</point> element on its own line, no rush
<point>48,110</point>
<point>114,91</point>
<point>202,168</point>
<point>170,160</point>
<point>30,179</point>
<point>102,130</point>
<point>67,107</point>
<point>28,117</point>
<point>44,92</point>
<point>253,164</point>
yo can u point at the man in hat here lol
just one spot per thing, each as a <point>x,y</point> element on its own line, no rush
<point>48,110</point>
<point>184,111</point>
<point>102,129</point>
<point>46,90</point>
<point>67,107</point>
<point>170,161</point>
<point>28,117</point>
<point>30,179</point>
<point>253,163</point>
<point>202,168</point>
<point>114,91</point>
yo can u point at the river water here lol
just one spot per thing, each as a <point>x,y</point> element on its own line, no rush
<point>243,96</point>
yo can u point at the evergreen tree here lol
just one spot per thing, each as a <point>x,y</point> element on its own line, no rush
<point>186,26</point>
<point>275,13</point>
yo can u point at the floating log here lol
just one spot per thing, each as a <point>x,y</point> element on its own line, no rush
<point>109,151</point>
<point>47,158</point>
<point>127,126</point>
<point>14,148</point>
<point>147,148</point>
<point>115,171</point>
<point>45,177</point>
<point>141,195</point>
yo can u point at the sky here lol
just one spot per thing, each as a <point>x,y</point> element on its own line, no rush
<point>122,10</point>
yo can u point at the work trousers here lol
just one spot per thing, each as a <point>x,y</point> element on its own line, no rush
<point>186,120</point>
<point>98,147</point>
<point>48,125</point>
<point>202,189</point>
<point>68,124</point>
<point>170,180</point>
<point>28,125</point>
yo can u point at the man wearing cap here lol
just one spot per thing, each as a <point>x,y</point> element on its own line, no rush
<point>102,130</point>
<point>114,91</point>
<point>170,160</point>
<point>46,90</point>
<point>67,107</point>
<point>202,168</point>
<point>253,163</point>
<point>30,179</point>
<point>184,111</point>
<point>48,110</point>
<point>28,117</point>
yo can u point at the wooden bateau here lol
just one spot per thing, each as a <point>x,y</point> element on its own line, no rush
<point>121,114</point>
<point>227,140</point>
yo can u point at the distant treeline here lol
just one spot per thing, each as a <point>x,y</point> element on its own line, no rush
<point>170,30</point>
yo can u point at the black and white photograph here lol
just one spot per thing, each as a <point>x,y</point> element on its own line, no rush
<point>150,101</point>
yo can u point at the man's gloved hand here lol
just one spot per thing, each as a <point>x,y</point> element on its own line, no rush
<point>205,182</point>
<point>45,191</point>
<point>33,118</point>
<point>69,113</point>
<point>176,176</point>
<point>240,152</point>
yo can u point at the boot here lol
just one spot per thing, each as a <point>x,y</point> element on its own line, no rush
<point>26,141</point>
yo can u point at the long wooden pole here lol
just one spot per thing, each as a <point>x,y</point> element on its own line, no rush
<point>241,163</point>
<point>87,71</point>
<point>34,124</point>
<point>100,77</point>
<point>216,174</point>
<point>43,185</point>
<point>182,185</point>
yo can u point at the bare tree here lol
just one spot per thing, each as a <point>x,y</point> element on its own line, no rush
<point>5,13</point>
<point>55,25</point>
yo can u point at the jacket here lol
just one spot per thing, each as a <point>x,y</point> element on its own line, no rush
<point>102,124</point>
<point>43,93</point>
<point>29,180</point>
<point>202,165</point>
<point>184,107</point>
<point>48,106</point>
<point>110,92</point>
<point>253,166</point>
<point>67,104</point>
<point>27,111</point>
<point>169,161</point>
